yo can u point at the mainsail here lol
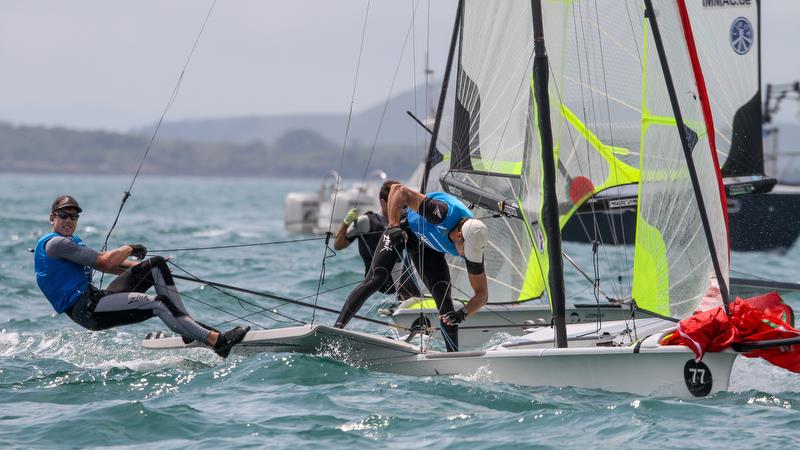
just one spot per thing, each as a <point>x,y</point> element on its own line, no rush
<point>490,143</point>
<point>494,145</point>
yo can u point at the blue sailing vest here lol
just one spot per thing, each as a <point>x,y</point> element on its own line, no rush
<point>61,281</point>
<point>436,236</point>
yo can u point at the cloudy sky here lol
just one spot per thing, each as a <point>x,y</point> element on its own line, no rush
<point>112,64</point>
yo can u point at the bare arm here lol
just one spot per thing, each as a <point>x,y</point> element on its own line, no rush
<point>401,197</point>
<point>481,297</point>
<point>115,261</point>
<point>341,240</point>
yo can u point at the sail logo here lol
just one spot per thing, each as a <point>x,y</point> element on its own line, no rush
<point>712,3</point>
<point>741,35</point>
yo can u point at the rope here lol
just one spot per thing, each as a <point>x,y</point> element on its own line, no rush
<point>286,299</point>
<point>321,280</point>
<point>239,299</point>
<point>170,101</point>
<point>216,247</point>
<point>388,99</point>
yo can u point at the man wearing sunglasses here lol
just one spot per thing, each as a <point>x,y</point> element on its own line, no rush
<point>64,264</point>
<point>428,227</point>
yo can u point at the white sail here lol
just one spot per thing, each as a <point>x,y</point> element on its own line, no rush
<point>672,262</point>
<point>726,35</point>
<point>489,138</point>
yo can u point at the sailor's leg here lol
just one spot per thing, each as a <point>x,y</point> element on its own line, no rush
<point>382,263</point>
<point>165,284</point>
<point>406,285</point>
<point>432,266</point>
<point>125,308</point>
<point>151,272</point>
<point>138,278</point>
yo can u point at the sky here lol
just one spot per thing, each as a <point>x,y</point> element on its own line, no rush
<point>113,64</point>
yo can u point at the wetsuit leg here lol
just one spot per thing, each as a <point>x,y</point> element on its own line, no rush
<point>383,261</point>
<point>150,272</point>
<point>432,266</point>
<point>125,308</point>
<point>406,285</point>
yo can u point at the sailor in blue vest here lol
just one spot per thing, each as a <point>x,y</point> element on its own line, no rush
<point>367,228</point>
<point>434,225</point>
<point>64,264</point>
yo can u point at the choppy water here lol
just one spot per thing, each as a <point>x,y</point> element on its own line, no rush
<point>62,387</point>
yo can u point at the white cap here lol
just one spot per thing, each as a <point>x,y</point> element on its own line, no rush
<point>476,235</point>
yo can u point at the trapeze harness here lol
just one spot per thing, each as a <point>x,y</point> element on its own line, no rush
<point>429,227</point>
<point>63,272</point>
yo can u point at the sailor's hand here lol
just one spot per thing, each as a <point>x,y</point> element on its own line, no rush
<point>351,216</point>
<point>454,317</point>
<point>139,251</point>
<point>396,236</point>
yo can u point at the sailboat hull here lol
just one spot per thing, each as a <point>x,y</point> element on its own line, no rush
<point>657,371</point>
<point>646,369</point>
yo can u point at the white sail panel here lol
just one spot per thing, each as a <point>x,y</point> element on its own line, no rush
<point>726,36</point>
<point>493,87</point>
<point>490,142</point>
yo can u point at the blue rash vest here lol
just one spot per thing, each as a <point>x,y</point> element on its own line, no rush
<point>61,281</point>
<point>436,236</point>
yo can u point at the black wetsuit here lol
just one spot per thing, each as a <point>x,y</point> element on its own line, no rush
<point>368,229</point>
<point>430,264</point>
<point>124,302</point>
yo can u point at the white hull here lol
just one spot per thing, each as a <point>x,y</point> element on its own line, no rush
<point>651,371</point>
<point>645,369</point>
<point>512,319</point>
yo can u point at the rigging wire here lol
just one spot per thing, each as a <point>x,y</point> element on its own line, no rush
<point>286,299</point>
<point>252,244</point>
<point>170,101</point>
<point>341,162</point>
<point>241,301</point>
<point>409,32</point>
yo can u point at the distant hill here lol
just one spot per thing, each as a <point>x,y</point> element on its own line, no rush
<point>296,153</point>
<point>397,127</point>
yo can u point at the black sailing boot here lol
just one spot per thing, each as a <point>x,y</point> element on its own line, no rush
<point>226,341</point>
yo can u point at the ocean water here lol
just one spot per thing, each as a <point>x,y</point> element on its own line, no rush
<point>64,387</point>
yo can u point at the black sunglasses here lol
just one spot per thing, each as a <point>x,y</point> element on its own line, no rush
<point>63,215</point>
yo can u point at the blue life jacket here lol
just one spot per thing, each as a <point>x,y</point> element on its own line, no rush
<point>61,281</point>
<point>437,236</point>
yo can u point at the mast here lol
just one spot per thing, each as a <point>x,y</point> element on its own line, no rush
<point>549,215</point>
<point>684,133</point>
<point>431,158</point>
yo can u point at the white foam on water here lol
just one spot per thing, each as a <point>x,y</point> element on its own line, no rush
<point>99,350</point>
<point>758,374</point>
<point>211,233</point>
<point>483,374</point>
<point>8,342</point>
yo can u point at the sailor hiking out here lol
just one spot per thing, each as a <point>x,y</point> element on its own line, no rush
<point>427,227</point>
<point>64,264</point>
